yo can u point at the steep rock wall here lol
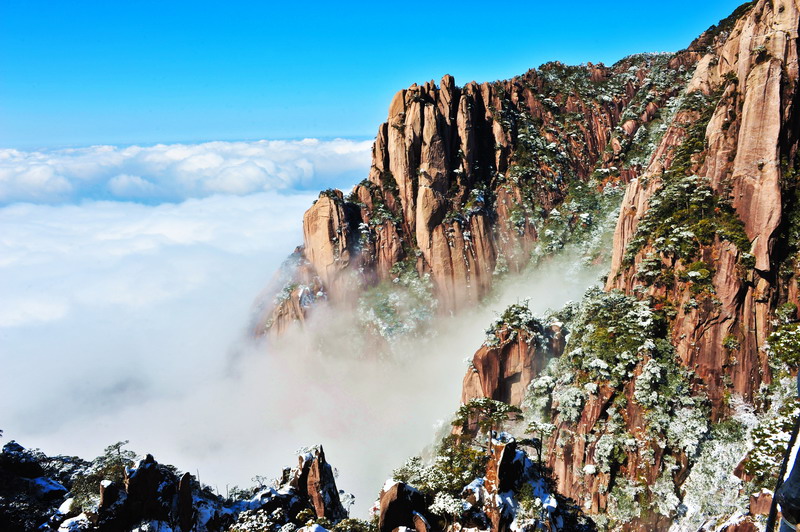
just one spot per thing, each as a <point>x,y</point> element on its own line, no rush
<point>464,179</point>
<point>706,240</point>
<point>750,77</point>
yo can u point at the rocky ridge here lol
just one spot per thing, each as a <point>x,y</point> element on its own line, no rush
<point>660,402</point>
<point>675,373</point>
<point>643,391</point>
<point>468,183</point>
<point>114,493</point>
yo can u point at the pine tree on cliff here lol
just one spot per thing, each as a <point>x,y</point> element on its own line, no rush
<point>489,416</point>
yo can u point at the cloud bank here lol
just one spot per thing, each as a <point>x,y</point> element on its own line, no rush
<point>127,318</point>
<point>174,172</point>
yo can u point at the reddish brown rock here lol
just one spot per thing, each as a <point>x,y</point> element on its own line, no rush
<point>503,372</point>
<point>437,191</point>
<point>401,506</point>
<point>313,479</point>
<point>498,479</point>
<point>721,336</point>
<point>761,503</point>
<point>746,138</point>
<point>329,234</point>
<point>745,525</point>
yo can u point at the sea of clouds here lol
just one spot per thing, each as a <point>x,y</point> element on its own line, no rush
<point>127,279</point>
<point>176,172</point>
<point>127,282</point>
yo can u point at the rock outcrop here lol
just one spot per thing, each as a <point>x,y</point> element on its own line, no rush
<point>501,500</point>
<point>466,182</point>
<point>154,495</point>
<point>313,479</point>
<point>706,241</point>
<point>748,82</point>
<point>30,494</point>
<point>504,366</point>
<point>402,505</point>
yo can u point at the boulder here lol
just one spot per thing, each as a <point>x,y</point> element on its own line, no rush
<point>401,505</point>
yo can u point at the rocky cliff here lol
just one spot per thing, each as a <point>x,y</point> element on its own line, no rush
<point>735,145</point>
<point>468,183</point>
<point>672,376</point>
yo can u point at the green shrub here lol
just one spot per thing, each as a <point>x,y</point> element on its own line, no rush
<point>783,347</point>
<point>786,313</point>
<point>354,525</point>
<point>683,215</point>
<point>108,466</point>
<point>731,343</point>
<point>456,464</point>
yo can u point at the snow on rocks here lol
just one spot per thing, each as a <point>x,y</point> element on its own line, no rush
<point>76,524</point>
<point>152,497</point>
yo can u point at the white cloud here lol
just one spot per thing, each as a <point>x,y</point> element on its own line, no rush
<point>130,314</point>
<point>172,173</point>
<point>23,311</point>
<point>118,319</point>
<point>131,186</point>
<point>107,253</point>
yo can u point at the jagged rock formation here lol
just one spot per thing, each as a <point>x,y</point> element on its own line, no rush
<point>518,348</point>
<point>466,182</point>
<point>515,493</point>
<point>749,78</point>
<point>653,396</point>
<point>402,505</point>
<point>313,479</point>
<point>705,257</point>
<point>38,493</point>
<point>30,489</point>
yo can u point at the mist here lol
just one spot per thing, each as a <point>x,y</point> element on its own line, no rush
<point>128,321</point>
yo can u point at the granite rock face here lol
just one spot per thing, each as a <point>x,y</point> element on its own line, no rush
<point>749,78</point>
<point>706,238</point>
<point>464,179</point>
<point>503,370</point>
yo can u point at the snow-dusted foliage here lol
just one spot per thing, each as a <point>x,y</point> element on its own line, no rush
<point>783,347</point>
<point>682,215</point>
<point>447,505</point>
<point>711,488</point>
<point>455,464</point>
<point>665,498</point>
<point>402,307</point>
<point>712,492</point>
<point>647,383</point>
<point>623,501</point>
<point>687,428</point>
<point>770,436</point>
<point>537,400</point>
<point>611,332</point>
<point>516,319</point>
<point>568,401</point>
<point>617,342</point>
<point>78,523</point>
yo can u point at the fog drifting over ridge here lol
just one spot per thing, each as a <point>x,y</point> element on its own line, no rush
<point>119,320</point>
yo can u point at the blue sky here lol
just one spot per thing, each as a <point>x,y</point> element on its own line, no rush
<point>86,72</point>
